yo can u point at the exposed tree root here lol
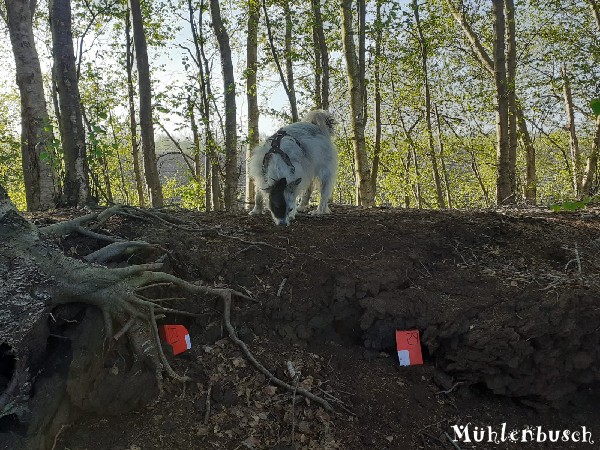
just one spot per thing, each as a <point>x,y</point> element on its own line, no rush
<point>272,378</point>
<point>117,292</point>
<point>8,398</point>
<point>117,249</point>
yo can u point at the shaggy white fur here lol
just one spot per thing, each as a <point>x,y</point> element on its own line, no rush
<point>285,170</point>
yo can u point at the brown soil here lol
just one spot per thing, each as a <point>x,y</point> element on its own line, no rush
<point>507,304</point>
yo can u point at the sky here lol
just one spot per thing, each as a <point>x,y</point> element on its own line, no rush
<point>172,74</point>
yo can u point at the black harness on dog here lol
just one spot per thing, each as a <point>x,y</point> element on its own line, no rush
<point>276,150</point>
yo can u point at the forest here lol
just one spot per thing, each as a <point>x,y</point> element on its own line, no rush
<point>439,104</point>
<point>464,219</point>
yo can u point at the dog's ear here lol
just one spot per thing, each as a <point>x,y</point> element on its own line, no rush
<point>294,184</point>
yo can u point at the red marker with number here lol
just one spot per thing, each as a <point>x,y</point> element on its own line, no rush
<point>176,336</point>
<point>408,344</point>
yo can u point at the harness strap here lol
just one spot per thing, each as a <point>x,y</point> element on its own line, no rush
<point>276,149</point>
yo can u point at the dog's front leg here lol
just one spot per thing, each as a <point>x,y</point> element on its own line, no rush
<point>292,214</point>
<point>326,191</point>
<point>305,198</point>
<point>258,202</point>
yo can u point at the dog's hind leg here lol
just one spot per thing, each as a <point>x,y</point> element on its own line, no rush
<point>258,202</point>
<point>327,184</point>
<point>305,198</point>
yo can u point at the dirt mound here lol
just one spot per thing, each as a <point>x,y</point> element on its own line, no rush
<point>506,303</point>
<point>503,299</point>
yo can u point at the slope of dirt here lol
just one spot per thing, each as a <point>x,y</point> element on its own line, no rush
<point>506,303</point>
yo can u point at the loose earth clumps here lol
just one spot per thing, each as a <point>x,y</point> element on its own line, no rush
<point>505,302</point>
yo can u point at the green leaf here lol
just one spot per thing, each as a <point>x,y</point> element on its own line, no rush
<point>595,104</point>
<point>571,205</point>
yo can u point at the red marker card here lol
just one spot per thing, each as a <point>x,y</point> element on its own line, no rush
<point>408,344</point>
<point>176,336</point>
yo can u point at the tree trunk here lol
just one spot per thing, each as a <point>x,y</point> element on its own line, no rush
<point>475,168</point>
<point>145,94</point>
<point>592,163</point>
<point>323,53</point>
<point>365,196</point>
<point>123,184</point>
<point>212,175</point>
<point>282,77</point>
<point>530,164</point>
<point>436,174</point>
<point>195,140</point>
<point>289,61</point>
<point>504,193</point>
<point>377,82</point>
<point>317,66</point>
<point>442,159</point>
<point>40,406</point>
<point>231,169</point>
<point>251,92</point>
<point>36,129</point>
<point>135,149</point>
<point>211,145</point>
<point>511,72</point>
<point>595,7</point>
<point>575,160</point>
<point>362,54</point>
<point>76,185</point>
<point>524,136</point>
<point>413,152</point>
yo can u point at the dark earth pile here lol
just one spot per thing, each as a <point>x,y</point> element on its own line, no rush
<point>507,303</point>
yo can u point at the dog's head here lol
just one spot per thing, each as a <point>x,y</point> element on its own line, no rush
<point>282,200</point>
<point>323,119</point>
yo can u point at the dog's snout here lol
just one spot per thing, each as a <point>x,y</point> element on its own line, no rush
<point>282,222</point>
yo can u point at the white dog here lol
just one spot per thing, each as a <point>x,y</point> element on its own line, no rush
<point>284,167</point>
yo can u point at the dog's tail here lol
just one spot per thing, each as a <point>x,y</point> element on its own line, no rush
<point>321,118</point>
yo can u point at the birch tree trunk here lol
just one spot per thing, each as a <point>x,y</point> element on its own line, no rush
<point>417,190</point>
<point>575,154</point>
<point>595,7</point>
<point>251,92</point>
<point>377,82</point>
<point>145,94</point>
<point>284,79</point>
<point>592,161</point>
<point>523,133</point>
<point>195,141</point>
<point>365,196</point>
<point>231,169</point>
<point>289,61</point>
<point>213,181</point>
<point>511,73</point>
<point>317,67</point>
<point>504,192</point>
<point>436,174</point>
<point>323,53</point>
<point>442,158</point>
<point>36,132</point>
<point>76,189</point>
<point>135,148</point>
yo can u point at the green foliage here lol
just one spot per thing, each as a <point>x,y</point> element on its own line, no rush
<point>190,195</point>
<point>550,34</point>
<point>595,105</point>
<point>344,189</point>
<point>11,170</point>
<point>571,205</point>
